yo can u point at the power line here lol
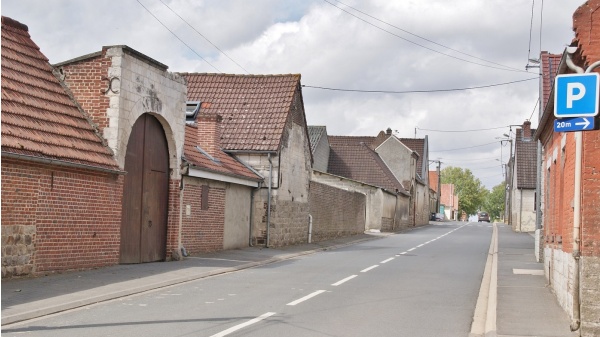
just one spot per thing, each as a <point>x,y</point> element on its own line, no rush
<point>423,38</point>
<point>530,31</point>
<point>217,69</point>
<point>536,104</point>
<point>464,148</point>
<point>422,46</point>
<point>473,130</point>
<point>416,91</point>
<point>204,37</point>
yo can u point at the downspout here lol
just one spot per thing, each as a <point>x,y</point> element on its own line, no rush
<point>520,210</point>
<point>576,322</point>
<point>269,199</point>
<point>310,220</point>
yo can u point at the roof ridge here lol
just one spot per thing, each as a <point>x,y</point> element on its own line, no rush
<point>238,75</point>
<point>15,24</point>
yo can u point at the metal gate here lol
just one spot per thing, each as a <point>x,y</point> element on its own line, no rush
<point>145,193</point>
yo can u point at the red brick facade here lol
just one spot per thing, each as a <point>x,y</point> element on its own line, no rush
<point>72,218</point>
<point>202,230</point>
<point>88,81</point>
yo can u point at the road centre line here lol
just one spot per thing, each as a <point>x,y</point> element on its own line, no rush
<point>421,245</point>
<point>243,325</point>
<point>367,269</point>
<point>403,253</point>
<point>410,250</point>
<point>307,297</point>
<point>344,280</point>
<point>387,260</point>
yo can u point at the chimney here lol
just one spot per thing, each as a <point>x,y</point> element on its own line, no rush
<point>209,135</point>
<point>388,131</point>
<point>527,130</point>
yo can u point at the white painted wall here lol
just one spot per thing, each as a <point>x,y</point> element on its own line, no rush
<point>141,88</point>
<point>237,216</point>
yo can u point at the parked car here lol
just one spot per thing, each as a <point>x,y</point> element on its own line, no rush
<point>483,216</point>
<point>439,217</point>
<point>432,217</point>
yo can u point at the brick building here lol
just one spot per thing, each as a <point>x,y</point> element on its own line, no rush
<point>61,186</point>
<point>264,126</point>
<point>522,183</point>
<point>571,220</point>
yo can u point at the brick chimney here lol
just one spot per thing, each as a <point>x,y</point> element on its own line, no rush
<point>527,130</point>
<point>209,135</point>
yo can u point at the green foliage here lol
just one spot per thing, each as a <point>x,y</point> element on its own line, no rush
<point>494,203</point>
<point>471,192</point>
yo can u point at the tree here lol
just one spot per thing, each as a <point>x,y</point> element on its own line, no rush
<point>471,192</point>
<point>494,203</point>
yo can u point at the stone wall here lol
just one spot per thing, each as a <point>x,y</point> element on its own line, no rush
<point>336,212</point>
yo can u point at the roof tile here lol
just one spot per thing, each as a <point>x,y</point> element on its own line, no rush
<point>254,107</point>
<point>39,119</point>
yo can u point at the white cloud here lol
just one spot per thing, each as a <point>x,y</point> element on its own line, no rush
<point>331,48</point>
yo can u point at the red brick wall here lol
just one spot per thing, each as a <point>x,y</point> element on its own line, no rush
<point>558,210</point>
<point>173,218</point>
<point>76,213</point>
<point>590,205</point>
<point>88,82</point>
<point>202,230</point>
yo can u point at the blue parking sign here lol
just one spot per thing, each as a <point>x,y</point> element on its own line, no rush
<point>576,95</point>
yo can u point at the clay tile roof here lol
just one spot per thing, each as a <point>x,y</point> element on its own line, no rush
<point>39,119</point>
<point>219,163</point>
<point>417,145</point>
<point>314,134</point>
<point>255,108</point>
<point>352,157</point>
<point>587,32</point>
<point>525,156</point>
<point>550,64</point>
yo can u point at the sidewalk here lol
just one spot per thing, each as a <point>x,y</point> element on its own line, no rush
<point>24,299</point>
<point>525,305</point>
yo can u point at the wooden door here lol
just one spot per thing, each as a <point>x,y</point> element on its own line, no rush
<point>145,193</point>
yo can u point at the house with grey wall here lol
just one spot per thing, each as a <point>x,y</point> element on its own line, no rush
<point>264,126</point>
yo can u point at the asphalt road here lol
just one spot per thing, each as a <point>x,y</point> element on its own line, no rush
<point>422,282</point>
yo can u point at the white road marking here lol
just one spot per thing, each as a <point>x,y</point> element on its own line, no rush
<point>243,325</point>
<point>387,260</point>
<point>309,296</point>
<point>367,269</point>
<point>421,245</point>
<point>528,272</point>
<point>410,250</point>
<point>403,253</point>
<point>344,280</point>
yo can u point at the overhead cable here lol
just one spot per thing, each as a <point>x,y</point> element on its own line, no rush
<point>422,46</point>
<point>178,38</point>
<point>425,39</point>
<point>204,37</point>
<point>464,148</point>
<point>472,130</point>
<point>416,91</point>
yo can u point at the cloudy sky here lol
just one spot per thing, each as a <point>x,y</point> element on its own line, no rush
<point>378,51</point>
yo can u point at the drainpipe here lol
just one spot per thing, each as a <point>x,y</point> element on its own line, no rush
<point>576,322</point>
<point>269,199</point>
<point>520,211</point>
<point>310,228</point>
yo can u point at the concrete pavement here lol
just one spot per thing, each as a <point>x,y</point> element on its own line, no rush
<point>517,301</point>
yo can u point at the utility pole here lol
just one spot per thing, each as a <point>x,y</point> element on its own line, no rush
<point>439,187</point>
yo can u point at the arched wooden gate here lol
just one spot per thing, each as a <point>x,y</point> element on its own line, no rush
<point>145,193</point>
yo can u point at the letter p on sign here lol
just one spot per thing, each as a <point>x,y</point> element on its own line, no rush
<point>576,95</point>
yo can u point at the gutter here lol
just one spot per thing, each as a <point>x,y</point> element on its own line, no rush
<point>269,199</point>
<point>59,162</point>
